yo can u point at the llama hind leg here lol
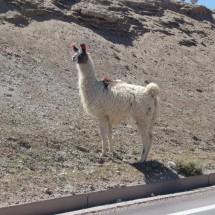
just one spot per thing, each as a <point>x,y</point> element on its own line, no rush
<point>146,141</point>
<point>104,129</point>
<point>110,130</point>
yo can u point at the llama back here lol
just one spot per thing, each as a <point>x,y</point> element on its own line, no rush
<point>130,100</point>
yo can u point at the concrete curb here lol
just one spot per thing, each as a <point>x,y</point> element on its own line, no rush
<point>71,203</point>
<point>107,207</point>
<point>211,179</point>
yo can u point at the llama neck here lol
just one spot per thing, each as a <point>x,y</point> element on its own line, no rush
<point>87,70</point>
<point>88,84</point>
<point>87,81</point>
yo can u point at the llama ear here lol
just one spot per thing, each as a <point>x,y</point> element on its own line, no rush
<point>75,52</point>
<point>83,47</point>
<point>74,47</point>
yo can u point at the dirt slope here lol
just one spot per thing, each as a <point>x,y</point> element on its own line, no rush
<point>49,146</point>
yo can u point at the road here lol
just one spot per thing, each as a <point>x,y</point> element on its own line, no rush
<point>201,203</point>
<point>197,202</point>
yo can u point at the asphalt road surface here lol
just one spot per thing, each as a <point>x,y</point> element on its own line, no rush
<point>200,203</point>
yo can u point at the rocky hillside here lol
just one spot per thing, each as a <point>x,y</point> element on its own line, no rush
<point>49,146</point>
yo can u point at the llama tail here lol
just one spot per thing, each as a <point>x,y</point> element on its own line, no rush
<point>152,89</point>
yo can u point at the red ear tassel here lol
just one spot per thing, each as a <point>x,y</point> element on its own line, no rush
<point>106,78</point>
<point>83,46</point>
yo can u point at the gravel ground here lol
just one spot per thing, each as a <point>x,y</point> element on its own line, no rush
<point>49,146</point>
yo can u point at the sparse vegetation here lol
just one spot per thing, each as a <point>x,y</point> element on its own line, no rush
<point>188,166</point>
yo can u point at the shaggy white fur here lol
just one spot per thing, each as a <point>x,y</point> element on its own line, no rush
<point>116,103</point>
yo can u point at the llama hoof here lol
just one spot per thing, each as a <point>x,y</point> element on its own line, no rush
<point>103,154</point>
<point>112,155</point>
<point>142,160</point>
<point>117,156</point>
<point>111,152</point>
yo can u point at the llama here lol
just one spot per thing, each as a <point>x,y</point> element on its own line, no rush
<point>115,102</point>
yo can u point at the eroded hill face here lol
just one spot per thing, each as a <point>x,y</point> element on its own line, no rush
<point>118,17</point>
<point>46,138</point>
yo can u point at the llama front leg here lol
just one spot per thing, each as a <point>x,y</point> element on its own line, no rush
<point>147,147</point>
<point>110,131</point>
<point>146,141</point>
<point>104,129</point>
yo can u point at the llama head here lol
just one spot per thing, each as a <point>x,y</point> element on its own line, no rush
<point>80,55</point>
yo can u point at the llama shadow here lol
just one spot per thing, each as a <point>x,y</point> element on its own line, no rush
<point>154,171</point>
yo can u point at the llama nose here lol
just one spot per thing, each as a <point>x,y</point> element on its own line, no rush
<point>74,57</point>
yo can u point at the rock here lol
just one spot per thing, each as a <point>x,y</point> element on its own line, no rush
<point>47,191</point>
<point>67,164</point>
<point>198,12</point>
<point>199,90</point>
<point>11,89</point>
<point>60,156</point>
<point>92,188</point>
<point>150,8</point>
<point>196,138</point>
<point>61,3</point>
<point>172,165</point>
<point>188,42</point>
<point>8,94</point>
<point>99,15</point>
<point>15,17</point>
<point>25,143</point>
<point>118,200</point>
<point>193,1</point>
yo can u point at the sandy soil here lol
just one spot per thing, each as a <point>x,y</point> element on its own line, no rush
<point>49,146</point>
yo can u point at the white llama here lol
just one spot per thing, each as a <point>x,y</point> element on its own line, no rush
<point>115,102</point>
